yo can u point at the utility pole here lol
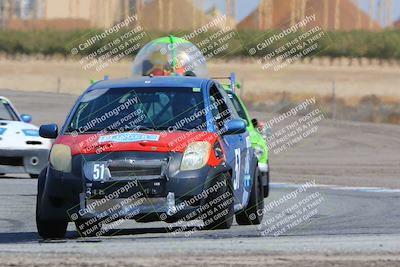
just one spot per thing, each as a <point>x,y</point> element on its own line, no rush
<point>228,6</point>
<point>260,15</point>
<point>389,13</point>
<point>371,8</point>
<point>160,15</point>
<point>326,14</point>
<point>292,12</point>
<point>337,15</point>
<point>265,14</point>
<point>127,9</point>
<point>303,9</point>
<point>234,10</point>
<point>380,12</point>
<point>358,25</point>
<point>170,17</point>
<point>194,20</point>
<point>139,8</point>
<point>201,4</point>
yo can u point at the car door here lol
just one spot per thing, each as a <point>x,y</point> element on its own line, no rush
<point>235,145</point>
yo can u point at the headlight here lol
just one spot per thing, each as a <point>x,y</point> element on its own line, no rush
<point>60,158</point>
<point>259,151</point>
<point>196,156</point>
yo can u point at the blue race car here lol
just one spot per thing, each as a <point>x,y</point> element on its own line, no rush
<point>149,149</point>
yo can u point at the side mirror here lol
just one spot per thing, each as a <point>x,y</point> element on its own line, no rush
<point>254,122</point>
<point>48,131</point>
<point>236,126</point>
<point>26,118</point>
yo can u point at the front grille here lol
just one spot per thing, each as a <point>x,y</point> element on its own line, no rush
<point>12,161</point>
<point>123,171</point>
<point>136,168</point>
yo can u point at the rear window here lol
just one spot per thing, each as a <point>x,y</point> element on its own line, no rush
<point>131,109</point>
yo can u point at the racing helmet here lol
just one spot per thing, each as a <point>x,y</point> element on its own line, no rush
<point>170,56</point>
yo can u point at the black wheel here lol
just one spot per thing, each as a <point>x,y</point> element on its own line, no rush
<point>51,229</point>
<point>219,214</point>
<point>34,176</point>
<point>47,229</point>
<point>266,188</point>
<point>250,215</point>
<point>87,228</point>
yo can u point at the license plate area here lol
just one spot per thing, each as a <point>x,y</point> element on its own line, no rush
<point>125,169</point>
<point>125,189</point>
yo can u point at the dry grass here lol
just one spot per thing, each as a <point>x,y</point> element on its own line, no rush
<point>364,92</point>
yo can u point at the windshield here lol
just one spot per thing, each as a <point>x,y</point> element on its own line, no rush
<point>139,109</point>
<point>6,111</point>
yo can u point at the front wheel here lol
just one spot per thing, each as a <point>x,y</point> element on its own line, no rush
<point>219,213</point>
<point>47,229</point>
<point>253,213</point>
<point>51,229</point>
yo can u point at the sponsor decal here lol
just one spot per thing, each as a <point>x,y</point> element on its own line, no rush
<point>2,130</point>
<point>129,138</point>
<point>31,132</point>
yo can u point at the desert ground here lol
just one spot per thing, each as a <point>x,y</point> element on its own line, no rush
<point>316,78</point>
<point>355,166</point>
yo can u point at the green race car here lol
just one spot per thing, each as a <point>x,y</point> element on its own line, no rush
<point>257,140</point>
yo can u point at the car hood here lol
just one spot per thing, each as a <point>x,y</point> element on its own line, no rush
<point>133,141</point>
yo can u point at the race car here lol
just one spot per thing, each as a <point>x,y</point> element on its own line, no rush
<point>22,150</point>
<point>257,140</point>
<point>169,148</point>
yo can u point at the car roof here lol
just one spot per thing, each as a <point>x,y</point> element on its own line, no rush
<point>158,81</point>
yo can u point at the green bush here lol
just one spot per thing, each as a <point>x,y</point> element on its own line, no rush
<point>356,44</point>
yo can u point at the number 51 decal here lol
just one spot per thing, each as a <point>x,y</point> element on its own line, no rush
<point>98,171</point>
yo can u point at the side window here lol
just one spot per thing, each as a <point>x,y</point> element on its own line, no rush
<point>231,107</point>
<point>238,107</point>
<point>219,108</point>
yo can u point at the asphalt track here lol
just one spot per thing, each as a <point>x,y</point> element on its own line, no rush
<point>349,224</point>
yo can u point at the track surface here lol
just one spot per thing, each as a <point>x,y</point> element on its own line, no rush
<point>348,222</point>
<point>354,226</point>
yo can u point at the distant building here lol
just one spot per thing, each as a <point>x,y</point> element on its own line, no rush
<point>340,15</point>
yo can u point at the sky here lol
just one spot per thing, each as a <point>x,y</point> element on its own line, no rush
<point>245,7</point>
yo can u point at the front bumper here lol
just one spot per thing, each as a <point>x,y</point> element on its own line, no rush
<point>168,196</point>
<point>31,161</point>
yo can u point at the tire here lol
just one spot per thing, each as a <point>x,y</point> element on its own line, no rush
<point>47,229</point>
<point>219,214</point>
<point>87,229</point>
<point>250,216</point>
<point>34,176</point>
<point>266,188</point>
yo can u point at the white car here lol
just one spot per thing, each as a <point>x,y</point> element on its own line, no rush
<point>22,150</point>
